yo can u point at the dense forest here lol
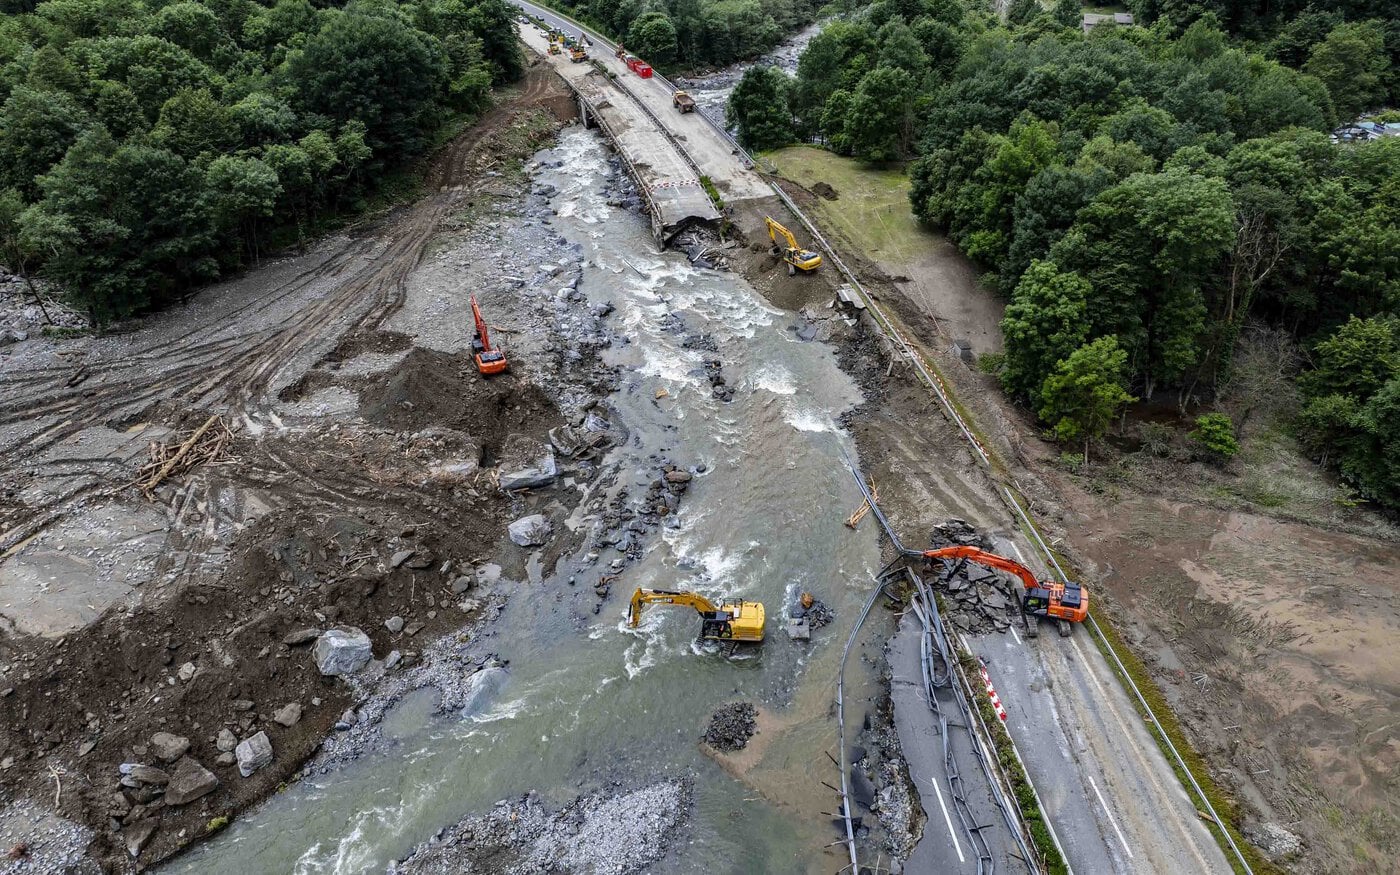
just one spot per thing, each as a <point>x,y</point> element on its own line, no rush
<point>689,34</point>
<point>146,147</point>
<point>1150,200</point>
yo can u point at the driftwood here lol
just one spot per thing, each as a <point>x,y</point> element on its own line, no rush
<point>854,519</point>
<point>170,459</point>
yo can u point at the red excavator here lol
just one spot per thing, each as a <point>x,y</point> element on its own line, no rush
<point>489,360</point>
<point>1064,602</point>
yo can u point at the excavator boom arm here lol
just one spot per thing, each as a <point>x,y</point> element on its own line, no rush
<point>662,596</point>
<point>480,326</point>
<point>982,557</point>
<point>776,230</point>
<point>1061,601</point>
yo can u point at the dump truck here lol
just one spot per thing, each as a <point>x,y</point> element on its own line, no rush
<point>683,102</point>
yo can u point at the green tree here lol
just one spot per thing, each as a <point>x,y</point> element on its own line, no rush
<point>880,125</point>
<point>36,128</point>
<point>15,250</point>
<point>1045,322</point>
<point>1215,435</point>
<point>653,36</point>
<point>758,107</point>
<point>833,127</point>
<point>1357,360</point>
<point>242,191</point>
<point>1352,63</point>
<point>377,70</point>
<point>1081,398</point>
<point>193,123</point>
<point>1067,13</point>
<point>123,227</point>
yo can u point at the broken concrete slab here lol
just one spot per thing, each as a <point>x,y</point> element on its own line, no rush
<point>525,463</point>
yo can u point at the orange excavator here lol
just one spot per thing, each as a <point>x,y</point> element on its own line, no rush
<point>489,360</point>
<point>1064,602</point>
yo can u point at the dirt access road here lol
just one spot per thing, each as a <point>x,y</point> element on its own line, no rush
<point>354,488</point>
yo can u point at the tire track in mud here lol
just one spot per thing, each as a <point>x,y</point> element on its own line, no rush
<point>205,368</point>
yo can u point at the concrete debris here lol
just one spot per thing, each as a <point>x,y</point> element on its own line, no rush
<point>956,532</point>
<point>253,753</point>
<point>148,775</point>
<point>530,531</point>
<point>732,726</point>
<point>341,652</point>
<point>394,624</point>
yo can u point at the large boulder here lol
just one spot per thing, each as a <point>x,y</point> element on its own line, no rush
<point>341,652</point>
<point>253,753</point>
<point>530,531</point>
<point>526,463</point>
<point>188,782</point>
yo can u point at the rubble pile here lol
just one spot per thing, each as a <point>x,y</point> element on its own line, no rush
<point>976,600</point>
<point>732,726</point>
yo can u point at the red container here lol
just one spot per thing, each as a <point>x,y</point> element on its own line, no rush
<point>643,69</point>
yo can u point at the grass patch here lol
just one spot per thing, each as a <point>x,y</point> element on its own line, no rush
<point>709,186</point>
<point>871,210</point>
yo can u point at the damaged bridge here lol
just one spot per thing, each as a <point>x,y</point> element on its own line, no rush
<point>667,177</point>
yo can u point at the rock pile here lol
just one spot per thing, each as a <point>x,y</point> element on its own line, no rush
<point>732,726</point>
<point>977,600</point>
<point>956,532</point>
<point>607,831</point>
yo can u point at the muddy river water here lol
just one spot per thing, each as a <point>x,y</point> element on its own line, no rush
<point>585,700</point>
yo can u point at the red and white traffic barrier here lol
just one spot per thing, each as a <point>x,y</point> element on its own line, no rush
<point>992,694</point>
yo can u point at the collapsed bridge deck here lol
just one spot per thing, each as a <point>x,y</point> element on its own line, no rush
<point>668,179</point>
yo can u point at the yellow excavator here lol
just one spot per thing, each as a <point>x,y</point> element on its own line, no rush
<point>796,257</point>
<point>730,620</point>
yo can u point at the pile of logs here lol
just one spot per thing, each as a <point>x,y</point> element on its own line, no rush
<point>176,457</point>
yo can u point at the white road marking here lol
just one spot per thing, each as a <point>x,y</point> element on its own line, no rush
<point>1113,821</point>
<point>1014,635</point>
<point>1019,554</point>
<point>948,820</point>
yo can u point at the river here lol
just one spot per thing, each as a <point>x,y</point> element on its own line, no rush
<point>711,91</point>
<point>583,703</point>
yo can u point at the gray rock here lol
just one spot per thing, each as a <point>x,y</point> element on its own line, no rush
<point>393,659</point>
<point>530,531</point>
<point>394,624</point>
<point>169,748</point>
<point>226,741</point>
<point>534,476</point>
<point>226,758</point>
<point>138,834</point>
<point>186,672</point>
<point>341,652</point>
<point>461,584</point>
<point>400,558</point>
<point>421,559</point>
<point>242,704</point>
<point>253,753</point>
<point>188,782</point>
<point>301,636</point>
<point>288,715</point>
<point>149,775</point>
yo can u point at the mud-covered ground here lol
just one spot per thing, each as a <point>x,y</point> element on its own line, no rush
<point>141,638</point>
